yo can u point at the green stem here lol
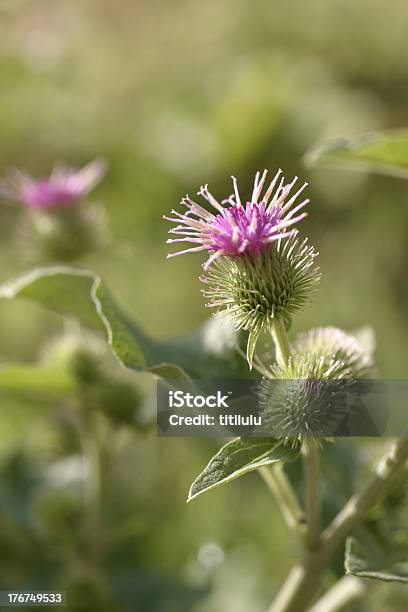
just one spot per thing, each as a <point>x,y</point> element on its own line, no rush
<point>385,472</point>
<point>346,590</point>
<point>93,456</point>
<point>92,452</point>
<point>281,341</point>
<point>311,452</point>
<point>298,589</point>
<point>279,484</point>
<point>303,581</point>
<point>311,466</point>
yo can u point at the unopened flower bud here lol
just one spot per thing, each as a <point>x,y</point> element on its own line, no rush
<point>306,399</point>
<point>120,401</point>
<point>61,235</point>
<point>334,344</point>
<point>82,354</point>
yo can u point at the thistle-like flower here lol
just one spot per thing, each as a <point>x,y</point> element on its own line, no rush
<point>236,229</point>
<point>64,187</point>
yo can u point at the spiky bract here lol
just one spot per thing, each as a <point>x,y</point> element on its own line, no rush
<point>335,344</point>
<point>309,398</point>
<point>252,290</point>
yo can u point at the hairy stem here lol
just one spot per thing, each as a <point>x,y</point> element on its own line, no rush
<point>281,342</point>
<point>311,465</point>
<point>385,472</point>
<point>94,494</point>
<point>279,484</point>
<point>298,589</point>
<point>341,594</point>
<point>303,581</point>
<point>93,455</point>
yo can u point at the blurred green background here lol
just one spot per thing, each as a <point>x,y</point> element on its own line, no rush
<point>174,95</point>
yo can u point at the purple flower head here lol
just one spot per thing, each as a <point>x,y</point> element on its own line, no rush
<point>237,229</point>
<point>65,186</point>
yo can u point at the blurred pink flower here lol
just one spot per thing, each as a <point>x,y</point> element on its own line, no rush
<point>65,186</point>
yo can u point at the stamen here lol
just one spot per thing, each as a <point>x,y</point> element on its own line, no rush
<point>210,198</point>
<point>293,198</point>
<point>213,258</point>
<point>287,223</point>
<point>279,236</point>
<point>196,208</point>
<point>277,194</point>
<point>297,208</point>
<point>243,246</point>
<point>230,200</point>
<point>238,199</point>
<point>171,240</point>
<point>282,197</point>
<point>271,187</point>
<point>192,250</point>
<point>258,185</point>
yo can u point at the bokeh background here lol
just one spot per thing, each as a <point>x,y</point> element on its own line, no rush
<point>174,95</point>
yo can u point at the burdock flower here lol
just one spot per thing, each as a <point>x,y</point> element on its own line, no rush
<point>57,223</point>
<point>235,229</point>
<point>64,187</point>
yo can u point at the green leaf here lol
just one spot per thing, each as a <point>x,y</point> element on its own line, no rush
<point>251,345</point>
<point>239,457</point>
<point>369,559</point>
<point>207,352</point>
<point>380,152</point>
